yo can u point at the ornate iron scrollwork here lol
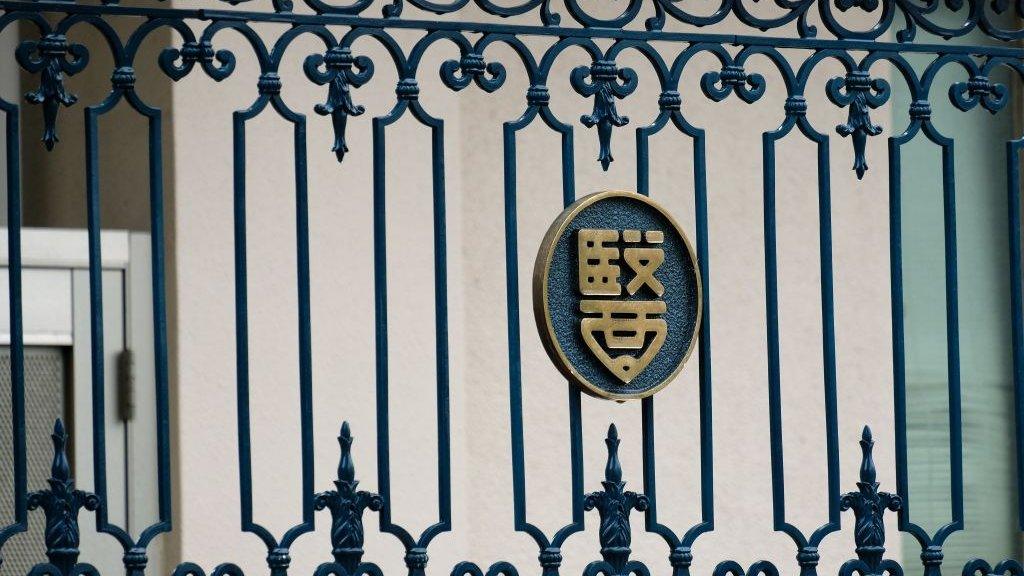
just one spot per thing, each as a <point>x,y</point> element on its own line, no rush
<point>457,74</point>
<point>992,96</point>
<point>604,85</point>
<point>496,569</point>
<point>733,568</point>
<point>614,504</point>
<point>61,504</point>
<point>732,79</point>
<point>347,504</point>
<point>868,505</point>
<point>979,567</point>
<point>51,57</point>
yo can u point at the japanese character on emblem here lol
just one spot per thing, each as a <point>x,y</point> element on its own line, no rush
<point>622,298</point>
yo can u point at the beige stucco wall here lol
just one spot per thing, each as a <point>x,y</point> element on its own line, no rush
<point>343,320</point>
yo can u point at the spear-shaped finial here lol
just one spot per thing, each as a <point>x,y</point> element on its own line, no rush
<point>613,470</point>
<point>60,470</point>
<point>346,469</point>
<point>867,464</point>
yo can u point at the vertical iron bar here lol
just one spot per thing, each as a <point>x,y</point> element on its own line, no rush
<point>99,446</point>
<point>156,208</point>
<point>13,160</point>
<point>952,338</point>
<point>899,367</point>
<point>444,472</point>
<point>1017,316</point>
<point>305,329</point>
<point>242,324</point>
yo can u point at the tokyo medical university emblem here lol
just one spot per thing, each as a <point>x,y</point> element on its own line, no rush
<point>617,295</point>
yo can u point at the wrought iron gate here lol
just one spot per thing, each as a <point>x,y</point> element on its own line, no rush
<point>666,34</point>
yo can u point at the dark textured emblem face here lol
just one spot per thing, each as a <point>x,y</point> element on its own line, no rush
<point>617,295</point>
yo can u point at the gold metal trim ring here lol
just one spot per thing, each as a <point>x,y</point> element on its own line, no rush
<point>541,312</point>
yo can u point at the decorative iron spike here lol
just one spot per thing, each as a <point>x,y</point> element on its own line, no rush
<point>60,505</point>
<point>614,504</point>
<point>613,469</point>
<point>346,468</point>
<point>347,504</point>
<point>868,505</point>
<point>867,464</point>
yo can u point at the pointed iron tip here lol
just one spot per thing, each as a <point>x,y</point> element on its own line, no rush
<point>866,434</point>
<point>345,431</point>
<point>613,432</point>
<point>58,427</point>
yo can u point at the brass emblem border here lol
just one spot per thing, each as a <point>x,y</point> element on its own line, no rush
<point>541,313</point>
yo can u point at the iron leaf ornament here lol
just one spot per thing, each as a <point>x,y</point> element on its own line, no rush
<point>346,504</point>
<point>607,83</point>
<point>868,505</point>
<point>614,504</point>
<point>61,504</point>
<point>51,57</point>
<point>860,93</point>
<point>342,71</point>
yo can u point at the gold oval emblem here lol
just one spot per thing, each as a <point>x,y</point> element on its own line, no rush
<point>617,295</point>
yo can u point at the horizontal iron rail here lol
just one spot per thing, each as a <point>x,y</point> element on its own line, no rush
<point>1008,50</point>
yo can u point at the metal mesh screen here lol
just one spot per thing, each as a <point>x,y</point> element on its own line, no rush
<point>45,375</point>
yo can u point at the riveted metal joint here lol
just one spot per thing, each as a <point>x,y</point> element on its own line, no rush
<point>53,45</point>
<point>472,64</point>
<point>733,75</point>
<point>123,78</point>
<point>920,110</point>
<point>932,556</point>
<point>407,89</point>
<point>796,106</point>
<point>670,100</point>
<point>858,80</point>
<point>135,561</point>
<point>538,95</point>
<point>550,557</point>
<point>269,83</point>
<point>192,52</point>
<point>680,557</point>
<point>604,70</point>
<point>339,58</point>
<point>279,560</point>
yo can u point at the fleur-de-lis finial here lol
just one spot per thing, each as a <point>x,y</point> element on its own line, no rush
<point>861,94</point>
<point>347,505</point>
<point>607,83</point>
<point>52,57</point>
<point>342,72</point>
<point>60,505</point>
